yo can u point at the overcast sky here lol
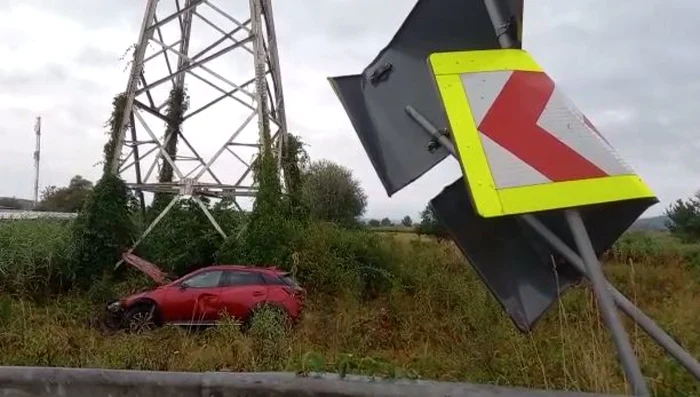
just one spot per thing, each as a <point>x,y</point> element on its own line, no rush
<point>631,65</point>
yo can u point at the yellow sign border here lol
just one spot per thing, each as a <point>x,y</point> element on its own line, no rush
<point>488,200</point>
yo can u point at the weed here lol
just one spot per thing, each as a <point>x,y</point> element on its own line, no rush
<point>34,257</point>
<point>380,304</point>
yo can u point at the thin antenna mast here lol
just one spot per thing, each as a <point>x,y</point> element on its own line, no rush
<point>37,155</point>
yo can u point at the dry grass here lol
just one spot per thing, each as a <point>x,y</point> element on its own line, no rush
<point>442,324</point>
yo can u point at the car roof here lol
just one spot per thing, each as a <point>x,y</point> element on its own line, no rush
<point>255,269</point>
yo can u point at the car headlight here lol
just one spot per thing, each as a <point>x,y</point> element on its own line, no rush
<point>114,306</point>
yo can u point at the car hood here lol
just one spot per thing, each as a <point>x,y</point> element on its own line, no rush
<point>147,268</point>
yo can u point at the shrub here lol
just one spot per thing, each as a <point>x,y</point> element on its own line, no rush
<point>273,225</point>
<point>332,261</point>
<point>267,328</point>
<point>185,239</point>
<point>102,230</point>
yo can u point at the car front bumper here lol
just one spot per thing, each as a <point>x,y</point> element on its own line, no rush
<point>115,314</point>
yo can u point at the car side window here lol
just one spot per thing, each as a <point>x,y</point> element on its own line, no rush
<point>272,280</point>
<point>208,279</point>
<point>233,278</point>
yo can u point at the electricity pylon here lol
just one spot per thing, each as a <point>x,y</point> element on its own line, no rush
<point>224,54</point>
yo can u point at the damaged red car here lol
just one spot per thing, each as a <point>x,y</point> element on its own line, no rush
<point>203,296</point>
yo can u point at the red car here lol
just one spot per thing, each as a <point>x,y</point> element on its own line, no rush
<point>200,297</point>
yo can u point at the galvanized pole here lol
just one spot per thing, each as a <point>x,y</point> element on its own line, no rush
<point>499,23</point>
<point>647,324</point>
<point>607,307</point>
<point>627,358</point>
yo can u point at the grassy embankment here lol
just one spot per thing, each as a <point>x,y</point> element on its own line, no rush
<point>435,319</point>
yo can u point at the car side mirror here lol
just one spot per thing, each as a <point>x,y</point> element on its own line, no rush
<point>183,286</point>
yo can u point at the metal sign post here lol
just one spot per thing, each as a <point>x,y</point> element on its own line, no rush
<point>609,292</point>
<point>528,155</point>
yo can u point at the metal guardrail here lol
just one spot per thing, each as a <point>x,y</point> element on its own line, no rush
<point>73,382</point>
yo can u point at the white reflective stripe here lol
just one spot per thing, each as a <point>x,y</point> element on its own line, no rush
<point>507,169</point>
<point>565,124</point>
<point>482,89</point>
<point>597,134</point>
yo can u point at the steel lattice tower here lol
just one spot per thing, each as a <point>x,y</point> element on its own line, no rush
<point>224,52</point>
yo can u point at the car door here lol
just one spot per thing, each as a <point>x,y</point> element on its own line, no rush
<point>241,291</point>
<point>194,300</point>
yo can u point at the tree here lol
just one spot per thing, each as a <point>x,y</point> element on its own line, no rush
<point>66,199</point>
<point>332,193</point>
<point>374,222</point>
<point>429,224</point>
<point>386,222</point>
<point>684,218</point>
<point>407,221</point>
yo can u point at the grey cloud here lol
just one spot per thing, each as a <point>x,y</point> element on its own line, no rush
<point>95,56</point>
<point>628,58</point>
<point>633,57</point>
<point>94,14</point>
<point>52,79</point>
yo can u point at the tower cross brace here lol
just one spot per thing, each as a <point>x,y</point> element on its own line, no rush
<point>224,54</point>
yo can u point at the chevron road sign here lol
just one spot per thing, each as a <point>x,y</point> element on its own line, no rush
<point>523,145</point>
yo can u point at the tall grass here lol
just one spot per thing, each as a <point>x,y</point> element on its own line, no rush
<point>34,257</point>
<point>426,316</point>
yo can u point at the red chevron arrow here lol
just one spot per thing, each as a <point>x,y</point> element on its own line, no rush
<point>512,123</point>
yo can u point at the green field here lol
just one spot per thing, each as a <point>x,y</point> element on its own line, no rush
<point>418,312</point>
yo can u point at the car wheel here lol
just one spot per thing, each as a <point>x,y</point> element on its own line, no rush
<point>141,318</point>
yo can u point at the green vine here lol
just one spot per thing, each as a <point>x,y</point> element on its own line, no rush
<point>114,122</point>
<point>177,104</point>
<point>294,160</point>
<point>270,233</point>
<point>104,227</point>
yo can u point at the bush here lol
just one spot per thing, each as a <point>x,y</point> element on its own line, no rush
<point>267,328</point>
<point>654,248</point>
<point>185,239</point>
<point>274,223</point>
<point>333,261</point>
<point>102,230</point>
<point>265,241</point>
<point>34,257</point>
